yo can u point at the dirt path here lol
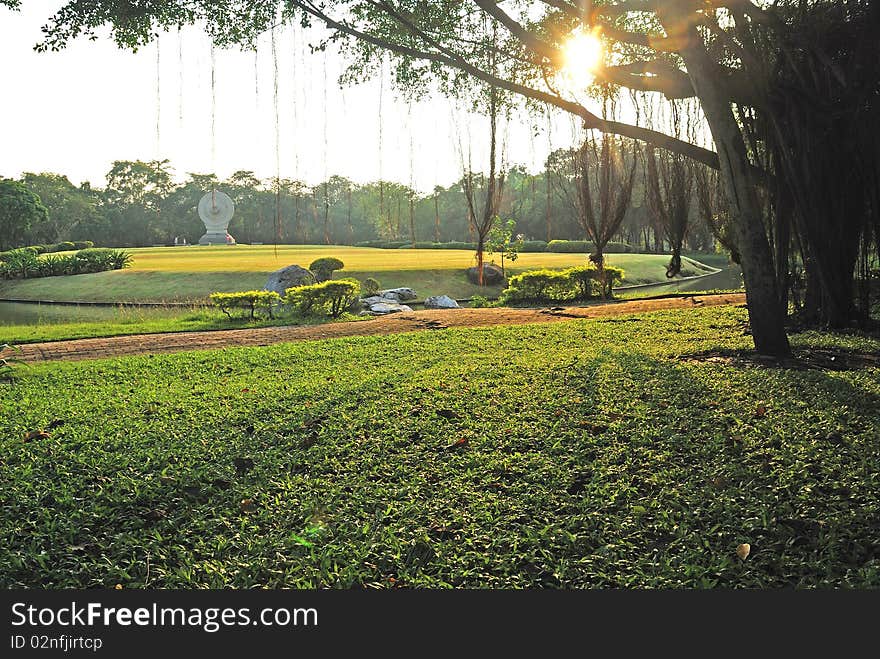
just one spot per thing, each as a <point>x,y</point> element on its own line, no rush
<point>141,344</point>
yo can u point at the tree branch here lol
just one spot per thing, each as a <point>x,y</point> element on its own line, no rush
<point>591,121</point>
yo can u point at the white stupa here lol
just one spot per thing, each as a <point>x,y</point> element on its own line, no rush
<point>216,210</point>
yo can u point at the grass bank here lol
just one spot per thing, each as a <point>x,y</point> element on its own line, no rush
<point>584,454</point>
<point>190,274</point>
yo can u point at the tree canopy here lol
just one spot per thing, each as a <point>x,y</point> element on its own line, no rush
<point>19,210</point>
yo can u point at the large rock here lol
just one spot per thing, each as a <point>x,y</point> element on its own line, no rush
<point>399,294</point>
<point>292,275</point>
<point>383,309</point>
<point>374,299</point>
<point>440,302</point>
<point>492,275</point>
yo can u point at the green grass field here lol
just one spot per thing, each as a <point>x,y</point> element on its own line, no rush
<point>190,274</point>
<point>579,454</point>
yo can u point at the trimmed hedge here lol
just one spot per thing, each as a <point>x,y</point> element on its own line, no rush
<point>587,247</point>
<point>51,248</point>
<point>250,301</point>
<point>534,246</point>
<point>383,244</point>
<point>370,286</point>
<point>574,284</point>
<point>528,245</point>
<point>323,268</point>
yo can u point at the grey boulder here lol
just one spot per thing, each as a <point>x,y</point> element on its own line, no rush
<point>492,275</point>
<point>440,302</point>
<point>383,308</point>
<point>292,275</point>
<point>399,294</point>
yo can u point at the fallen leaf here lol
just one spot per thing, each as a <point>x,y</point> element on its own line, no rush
<point>36,434</point>
<point>118,586</point>
<point>247,505</point>
<point>463,441</point>
<point>744,550</point>
<point>760,411</point>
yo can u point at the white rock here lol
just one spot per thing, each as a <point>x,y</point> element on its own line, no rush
<point>440,302</point>
<point>383,308</point>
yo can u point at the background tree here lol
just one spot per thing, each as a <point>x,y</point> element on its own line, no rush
<point>502,240</point>
<point>68,206</point>
<point>20,209</point>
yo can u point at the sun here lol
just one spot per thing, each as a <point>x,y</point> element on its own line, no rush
<point>582,54</point>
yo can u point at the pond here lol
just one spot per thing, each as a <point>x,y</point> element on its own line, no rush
<point>728,278</point>
<point>21,313</point>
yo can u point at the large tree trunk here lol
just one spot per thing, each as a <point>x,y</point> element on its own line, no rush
<point>766,314</point>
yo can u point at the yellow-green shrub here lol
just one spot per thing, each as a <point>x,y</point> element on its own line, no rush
<point>333,296</point>
<point>249,301</point>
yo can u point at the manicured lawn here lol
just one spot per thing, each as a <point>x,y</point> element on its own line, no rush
<point>192,273</point>
<point>580,454</point>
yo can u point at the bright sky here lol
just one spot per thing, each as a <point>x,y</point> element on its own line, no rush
<point>76,111</point>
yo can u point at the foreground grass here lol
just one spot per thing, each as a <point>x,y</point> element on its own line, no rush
<point>578,454</point>
<point>191,274</point>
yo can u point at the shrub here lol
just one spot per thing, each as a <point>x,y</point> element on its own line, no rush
<point>24,264</point>
<point>323,268</point>
<point>250,301</point>
<point>459,245</point>
<point>584,280</point>
<point>120,259</point>
<point>66,246</point>
<point>370,286</point>
<point>51,265</point>
<point>333,296</point>
<point>384,244</point>
<point>83,244</point>
<point>534,246</point>
<point>587,247</point>
<point>99,259</point>
<point>20,264</point>
<point>578,283</point>
<point>41,249</point>
<point>480,302</point>
<point>539,286</point>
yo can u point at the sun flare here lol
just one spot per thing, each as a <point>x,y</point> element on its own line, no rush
<point>581,56</point>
